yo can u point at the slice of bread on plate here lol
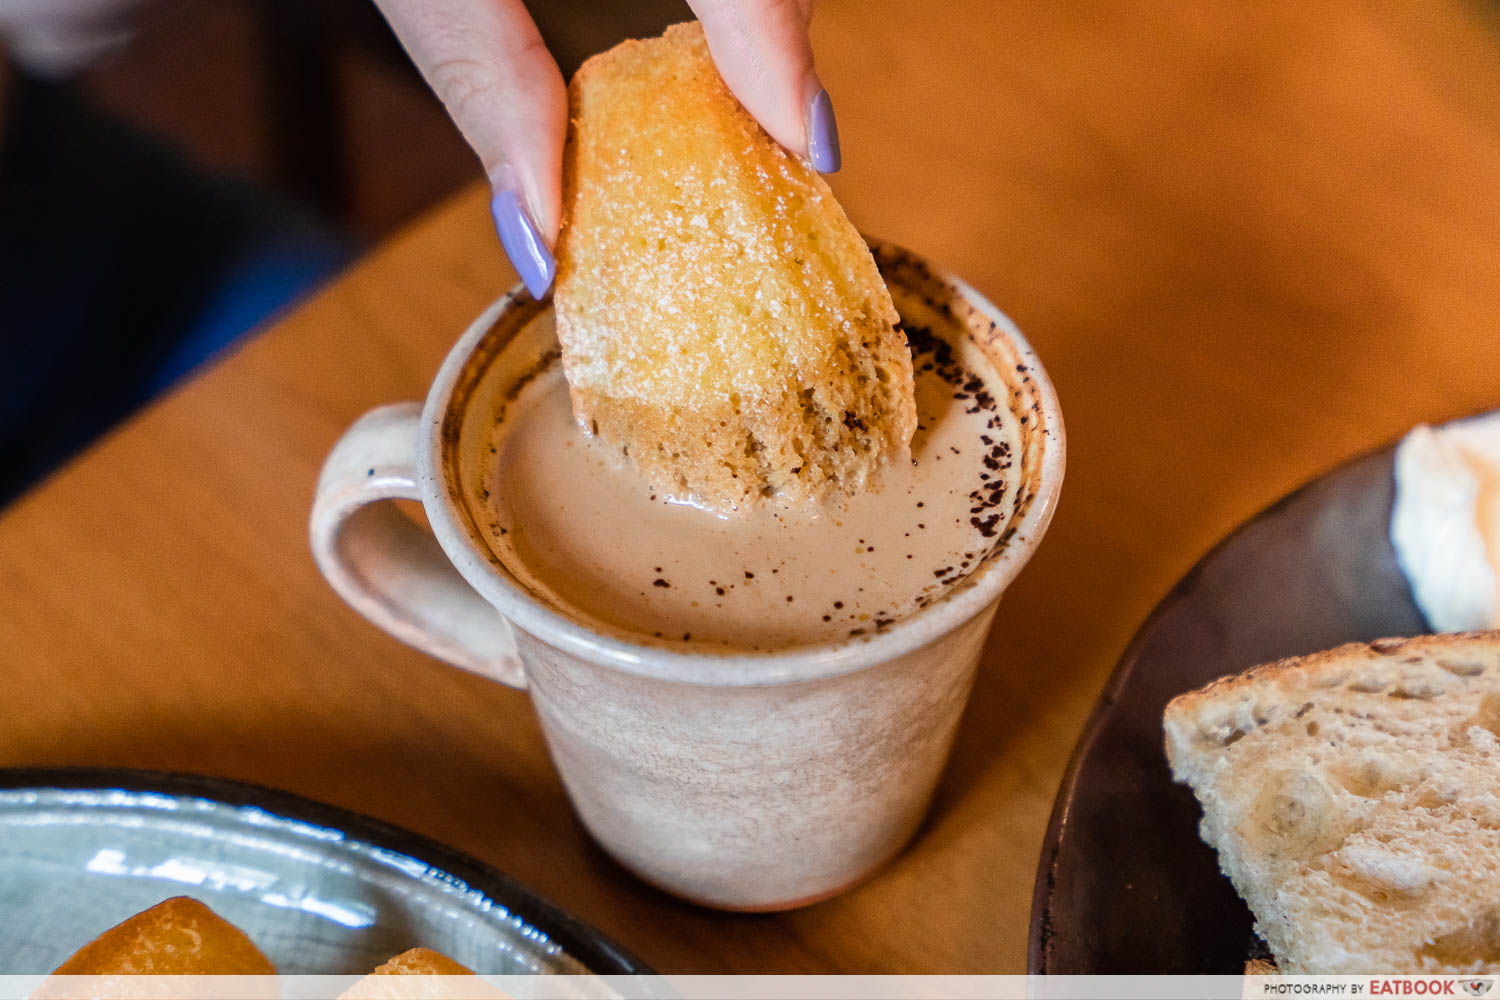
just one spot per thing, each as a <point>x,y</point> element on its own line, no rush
<point>722,323</point>
<point>1353,797</point>
<point>176,937</point>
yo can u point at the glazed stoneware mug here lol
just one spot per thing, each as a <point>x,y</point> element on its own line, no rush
<point>751,781</point>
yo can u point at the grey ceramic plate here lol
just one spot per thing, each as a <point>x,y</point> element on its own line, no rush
<point>320,890</point>
<point>1125,885</point>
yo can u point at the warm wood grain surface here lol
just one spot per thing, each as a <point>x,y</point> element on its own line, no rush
<point>1248,240</point>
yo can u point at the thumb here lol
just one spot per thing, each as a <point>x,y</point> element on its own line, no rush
<point>762,51</point>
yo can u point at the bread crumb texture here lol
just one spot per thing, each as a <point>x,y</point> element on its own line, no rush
<point>1354,799</point>
<point>722,322</point>
<point>176,937</point>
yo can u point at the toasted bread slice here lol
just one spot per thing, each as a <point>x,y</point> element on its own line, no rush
<point>721,321</point>
<point>1354,799</point>
<point>177,937</point>
<point>394,979</point>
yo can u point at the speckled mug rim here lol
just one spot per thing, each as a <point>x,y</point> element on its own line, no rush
<point>465,546</point>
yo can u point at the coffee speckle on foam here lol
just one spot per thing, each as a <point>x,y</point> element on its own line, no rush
<point>586,572</point>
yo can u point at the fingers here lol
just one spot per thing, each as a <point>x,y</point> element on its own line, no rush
<point>488,64</point>
<point>762,51</point>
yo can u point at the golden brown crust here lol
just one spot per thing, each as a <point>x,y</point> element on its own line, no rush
<point>421,962</point>
<point>177,937</point>
<point>409,976</point>
<point>1328,664</point>
<point>721,320</point>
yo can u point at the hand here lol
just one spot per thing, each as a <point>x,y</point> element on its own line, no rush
<point>488,64</point>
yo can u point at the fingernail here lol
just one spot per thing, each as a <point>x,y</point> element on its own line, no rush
<point>523,243</point>
<point>823,135</point>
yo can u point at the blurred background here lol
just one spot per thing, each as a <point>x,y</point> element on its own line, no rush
<point>315,100</point>
<point>173,174</point>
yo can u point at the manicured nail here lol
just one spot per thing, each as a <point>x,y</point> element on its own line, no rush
<point>823,135</point>
<point>523,244</point>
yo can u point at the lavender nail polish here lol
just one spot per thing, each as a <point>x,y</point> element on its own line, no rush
<point>523,244</point>
<point>823,135</point>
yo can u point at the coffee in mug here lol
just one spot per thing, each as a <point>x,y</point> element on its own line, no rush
<point>754,749</point>
<point>579,527</point>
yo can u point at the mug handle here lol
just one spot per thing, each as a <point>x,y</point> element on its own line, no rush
<point>392,570</point>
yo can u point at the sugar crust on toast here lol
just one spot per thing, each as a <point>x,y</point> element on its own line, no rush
<point>722,323</point>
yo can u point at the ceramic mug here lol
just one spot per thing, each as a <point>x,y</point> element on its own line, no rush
<point>751,781</point>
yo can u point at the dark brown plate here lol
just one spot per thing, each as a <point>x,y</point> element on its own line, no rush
<point>1125,885</point>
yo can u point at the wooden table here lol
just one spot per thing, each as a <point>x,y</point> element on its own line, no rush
<point>1248,240</point>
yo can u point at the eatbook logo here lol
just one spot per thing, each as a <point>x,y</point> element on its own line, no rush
<point>1476,987</point>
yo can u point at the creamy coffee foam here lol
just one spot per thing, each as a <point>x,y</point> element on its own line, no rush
<point>579,528</point>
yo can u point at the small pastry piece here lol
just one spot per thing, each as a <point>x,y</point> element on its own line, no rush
<point>721,321</point>
<point>177,937</point>
<point>421,962</point>
<point>409,975</point>
<point>1354,799</point>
